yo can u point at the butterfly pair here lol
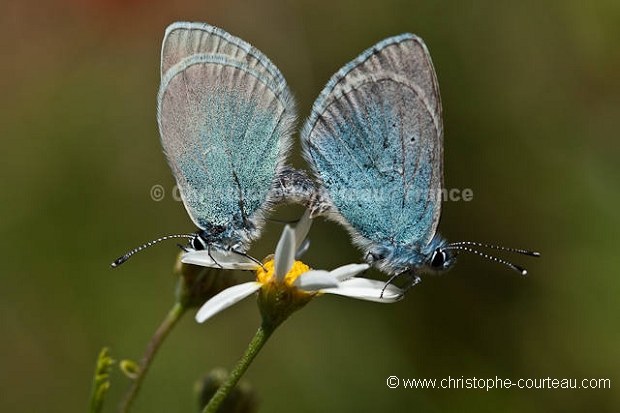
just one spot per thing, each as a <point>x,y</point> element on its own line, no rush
<point>374,141</point>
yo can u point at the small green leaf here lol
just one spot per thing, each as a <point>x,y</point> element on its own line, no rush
<point>101,381</point>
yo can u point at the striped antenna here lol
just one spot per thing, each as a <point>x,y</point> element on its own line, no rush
<point>125,257</point>
<point>467,247</point>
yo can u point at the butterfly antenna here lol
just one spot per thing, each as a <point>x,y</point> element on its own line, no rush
<point>125,257</point>
<point>465,246</point>
<point>496,247</point>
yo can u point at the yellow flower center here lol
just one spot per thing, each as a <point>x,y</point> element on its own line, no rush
<point>269,276</point>
<point>279,299</point>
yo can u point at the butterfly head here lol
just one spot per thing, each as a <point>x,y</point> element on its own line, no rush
<point>441,260</point>
<point>394,259</point>
<point>437,258</point>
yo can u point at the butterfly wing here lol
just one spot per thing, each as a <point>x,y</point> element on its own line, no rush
<point>225,117</point>
<point>375,142</point>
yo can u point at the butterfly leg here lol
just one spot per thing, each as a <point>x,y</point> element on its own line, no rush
<point>414,281</point>
<point>249,257</point>
<point>211,256</point>
<point>390,281</point>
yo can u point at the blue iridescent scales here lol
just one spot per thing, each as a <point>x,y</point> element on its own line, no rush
<point>374,142</point>
<point>225,116</point>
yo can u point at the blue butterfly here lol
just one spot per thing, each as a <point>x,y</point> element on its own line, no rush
<point>374,141</point>
<point>225,117</point>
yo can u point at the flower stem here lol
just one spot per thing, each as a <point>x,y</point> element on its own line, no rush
<point>260,338</point>
<point>174,315</point>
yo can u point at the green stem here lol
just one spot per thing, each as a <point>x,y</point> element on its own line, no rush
<point>260,338</point>
<point>166,326</point>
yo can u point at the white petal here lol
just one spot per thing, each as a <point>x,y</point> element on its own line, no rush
<point>285,253</point>
<point>225,299</point>
<point>303,248</point>
<point>302,228</point>
<point>366,289</point>
<point>315,280</point>
<point>226,259</point>
<point>348,271</point>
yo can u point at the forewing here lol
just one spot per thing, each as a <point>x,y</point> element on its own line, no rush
<point>225,117</point>
<point>185,39</point>
<point>375,142</point>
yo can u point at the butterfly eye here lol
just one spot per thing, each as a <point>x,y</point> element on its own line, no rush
<point>197,243</point>
<point>438,259</point>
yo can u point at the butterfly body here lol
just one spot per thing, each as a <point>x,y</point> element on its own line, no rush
<point>375,143</point>
<point>225,116</point>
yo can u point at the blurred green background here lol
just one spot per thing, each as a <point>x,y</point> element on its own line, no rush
<point>531,95</point>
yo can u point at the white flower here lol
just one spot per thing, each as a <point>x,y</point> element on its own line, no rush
<point>218,258</point>
<point>284,274</point>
